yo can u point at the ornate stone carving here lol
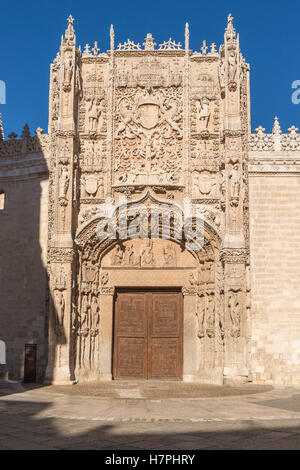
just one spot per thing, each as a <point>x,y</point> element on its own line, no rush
<point>144,151</point>
<point>235,314</point>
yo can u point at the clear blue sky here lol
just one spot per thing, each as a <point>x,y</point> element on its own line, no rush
<point>30,36</point>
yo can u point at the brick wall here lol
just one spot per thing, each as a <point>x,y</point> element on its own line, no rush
<point>275,263</point>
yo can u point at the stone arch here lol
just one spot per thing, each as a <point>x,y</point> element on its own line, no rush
<point>199,275</point>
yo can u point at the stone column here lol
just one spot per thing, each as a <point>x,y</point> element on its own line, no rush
<point>106,332</point>
<point>189,334</point>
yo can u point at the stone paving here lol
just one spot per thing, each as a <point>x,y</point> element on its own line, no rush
<point>249,417</point>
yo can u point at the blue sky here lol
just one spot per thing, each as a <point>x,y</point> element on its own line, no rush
<point>30,36</point>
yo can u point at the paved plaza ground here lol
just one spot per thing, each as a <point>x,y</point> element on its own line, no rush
<point>137,416</point>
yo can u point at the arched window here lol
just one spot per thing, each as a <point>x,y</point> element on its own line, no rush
<point>2,200</point>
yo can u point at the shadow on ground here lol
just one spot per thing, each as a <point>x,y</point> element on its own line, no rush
<point>23,427</point>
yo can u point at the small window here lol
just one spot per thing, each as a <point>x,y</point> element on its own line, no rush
<point>2,201</point>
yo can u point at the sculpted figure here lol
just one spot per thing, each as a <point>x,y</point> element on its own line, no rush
<point>211,316</point>
<point>147,255</point>
<point>203,114</point>
<point>232,65</point>
<point>63,182</point>
<point>127,116</point>
<point>201,317</point>
<point>117,256</point>
<point>171,116</point>
<point>169,255</point>
<point>235,314</point>
<point>94,113</point>
<point>68,71</point>
<point>235,181</point>
<point>59,302</point>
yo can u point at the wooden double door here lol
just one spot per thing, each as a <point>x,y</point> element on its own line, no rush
<point>148,332</point>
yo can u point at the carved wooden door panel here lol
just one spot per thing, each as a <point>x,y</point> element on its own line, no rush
<point>148,336</point>
<point>130,345</point>
<point>165,336</point>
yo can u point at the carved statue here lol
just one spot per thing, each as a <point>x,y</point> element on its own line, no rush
<point>211,316</point>
<point>94,114</point>
<point>117,256</point>
<point>171,116</point>
<point>68,71</point>
<point>59,303</point>
<point>235,314</point>
<point>234,182</point>
<point>127,117</point>
<point>232,66</point>
<point>203,114</point>
<point>63,182</point>
<point>147,254</point>
<point>169,255</point>
<point>201,317</point>
<point>130,258</point>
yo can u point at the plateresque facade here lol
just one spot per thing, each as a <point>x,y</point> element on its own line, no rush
<point>137,127</point>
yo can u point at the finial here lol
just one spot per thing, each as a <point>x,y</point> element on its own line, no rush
<point>230,31</point>
<point>69,38</point>
<point>276,127</point>
<point>293,130</point>
<point>26,132</point>
<point>70,20</point>
<point>149,43</point>
<point>95,48</point>
<point>187,36</point>
<point>1,129</point>
<point>112,38</point>
<point>213,49</point>
<point>204,48</point>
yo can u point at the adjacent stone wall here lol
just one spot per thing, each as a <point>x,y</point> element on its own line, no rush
<point>275,264</point>
<point>23,281</point>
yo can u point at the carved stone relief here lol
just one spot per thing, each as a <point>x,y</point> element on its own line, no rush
<point>148,136</point>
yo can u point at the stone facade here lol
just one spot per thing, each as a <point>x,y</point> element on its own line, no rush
<point>151,125</point>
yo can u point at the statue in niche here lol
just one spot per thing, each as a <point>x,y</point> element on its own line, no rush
<point>147,254</point>
<point>94,328</point>
<point>201,317</point>
<point>235,182</point>
<point>63,183</point>
<point>203,114</point>
<point>94,114</point>
<point>169,253</point>
<point>232,67</point>
<point>211,317</point>
<point>59,303</point>
<point>68,71</point>
<point>84,328</point>
<point>235,314</point>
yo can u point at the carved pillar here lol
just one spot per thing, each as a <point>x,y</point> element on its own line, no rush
<point>59,368</point>
<point>189,334</point>
<point>106,332</point>
<point>64,89</point>
<point>235,318</point>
